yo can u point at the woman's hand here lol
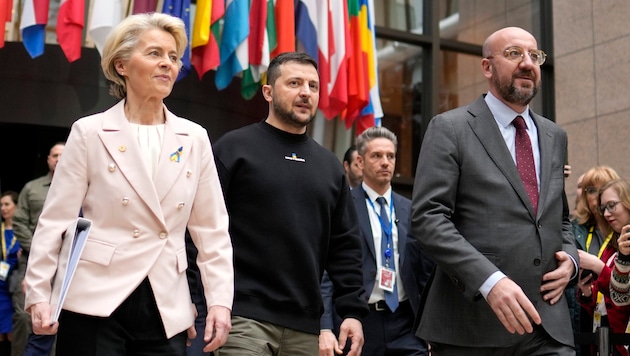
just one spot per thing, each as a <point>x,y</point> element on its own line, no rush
<point>624,241</point>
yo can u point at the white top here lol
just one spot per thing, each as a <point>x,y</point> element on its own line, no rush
<point>150,139</point>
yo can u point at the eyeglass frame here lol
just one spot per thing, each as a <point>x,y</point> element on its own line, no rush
<point>611,206</point>
<point>591,190</point>
<point>539,52</point>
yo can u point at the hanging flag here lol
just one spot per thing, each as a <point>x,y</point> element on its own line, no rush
<point>233,47</point>
<point>106,14</point>
<point>306,27</point>
<point>181,9</point>
<point>258,48</point>
<point>206,34</point>
<point>70,20</point>
<point>285,27</point>
<point>339,47</point>
<point>6,9</point>
<point>33,26</point>
<point>142,6</point>
<point>358,85</point>
<point>373,112</point>
<point>323,51</point>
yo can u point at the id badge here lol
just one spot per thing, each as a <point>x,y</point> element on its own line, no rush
<point>4,270</point>
<point>388,279</point>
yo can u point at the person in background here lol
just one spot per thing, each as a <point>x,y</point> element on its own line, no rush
<point>8,263</point>
<point>291,218</point>
<point>592,234</point>
<point>354,174</point>
<point>29,207</point>
<point>595,292</point>
<point>390,252</point>
<point>489,208</point>
<point>143,176</point>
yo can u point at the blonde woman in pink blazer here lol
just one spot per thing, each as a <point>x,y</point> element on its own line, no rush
<point>143,176</point>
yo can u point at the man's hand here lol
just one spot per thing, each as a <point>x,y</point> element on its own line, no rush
<point>328,345</point>
<point>40,317</point>
<point>218,326</point>
<point>512,307</point>
<point>351,329</point>
<point>555,282</point>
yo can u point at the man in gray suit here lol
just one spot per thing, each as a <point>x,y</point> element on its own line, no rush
<point>504,253</point>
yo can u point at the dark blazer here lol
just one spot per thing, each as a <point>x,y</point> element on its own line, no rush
<point>415,267</point>
<point>472,215</point>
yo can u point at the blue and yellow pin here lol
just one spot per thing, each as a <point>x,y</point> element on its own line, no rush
<point>177,154</point>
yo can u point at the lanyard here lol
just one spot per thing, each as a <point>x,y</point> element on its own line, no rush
<point>4,243</point>
<point>589,239</point>
<point>387,230</point>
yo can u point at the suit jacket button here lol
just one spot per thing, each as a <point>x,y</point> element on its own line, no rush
<point>536,261</point>
<point>125,200</point>
<point>162,235</point>
<point>136,233</point>
<point>111,167</point>
<point>188,173</point>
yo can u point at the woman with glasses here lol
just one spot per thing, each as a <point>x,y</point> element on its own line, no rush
<point>596,293</point>
<point>592,234</point>
<point>615,206</point>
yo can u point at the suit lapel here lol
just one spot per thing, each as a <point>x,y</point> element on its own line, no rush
<point>545,144</point>
<point>121,143</point>
<point>358,195</point>
<point>402,212</point>
<point>175,152</point>
<point>485,128</point>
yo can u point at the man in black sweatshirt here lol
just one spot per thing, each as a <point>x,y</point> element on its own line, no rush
<point>291,217</point>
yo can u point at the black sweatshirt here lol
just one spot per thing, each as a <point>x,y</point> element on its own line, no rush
<point>291,217</point>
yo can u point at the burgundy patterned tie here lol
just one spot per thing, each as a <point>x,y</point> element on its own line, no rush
<point>525,161</point>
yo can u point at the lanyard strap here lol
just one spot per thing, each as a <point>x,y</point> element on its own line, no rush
<point>387,230</point>
<point>589,239</point>
<point>4,243</point>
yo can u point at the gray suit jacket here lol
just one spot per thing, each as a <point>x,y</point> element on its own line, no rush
<point>472,215</point>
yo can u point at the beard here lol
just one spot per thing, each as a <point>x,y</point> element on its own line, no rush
<point>289,117</point>
<point>512,94</point>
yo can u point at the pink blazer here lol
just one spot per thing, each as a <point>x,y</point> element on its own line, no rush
<point>138,222</point>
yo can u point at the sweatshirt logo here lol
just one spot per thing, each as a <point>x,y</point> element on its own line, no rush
<point>294,157</point>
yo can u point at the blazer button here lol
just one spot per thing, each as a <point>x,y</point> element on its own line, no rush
<point>136,233</point>
<point>162,235</point>
<point>536,261</point>
<point>111,167</point>
<point>125,200</point>
<point>188,173</point>
<point>180,205</point>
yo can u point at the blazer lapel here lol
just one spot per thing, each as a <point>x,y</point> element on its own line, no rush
<point>364,219</point>
<point>545,144</point>
<point>176,149</point>
<point>485,128</point>
<point>401,212</point>
<point>120,142</point>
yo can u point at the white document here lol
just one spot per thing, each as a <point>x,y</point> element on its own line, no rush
<point>71,248</point>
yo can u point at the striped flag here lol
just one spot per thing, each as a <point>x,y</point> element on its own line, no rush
<point>233,42</point>
<point>142,6</point>
<point>206,32</point>
<point>339,50</point>
<point>306,26</point>
<point>258,47</point>
<point>33,26</point>
<point>70,22</point>
<point>106,14</point>
<point>181,9</point>
<point>373,112</point>
<point>6,8</point>
<point>285,27</point>
<point>358,85</point>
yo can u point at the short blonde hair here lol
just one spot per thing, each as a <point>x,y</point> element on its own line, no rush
<point>124,38</point>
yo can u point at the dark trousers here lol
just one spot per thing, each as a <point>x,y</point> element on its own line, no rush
<point>390,334</point>
<point>39,345</point>
<point>134,328</point>
<point>538,343</point>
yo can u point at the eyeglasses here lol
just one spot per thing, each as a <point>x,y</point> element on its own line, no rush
<point>590,190</point>
<point>517,54</point>
<point>610,206</point>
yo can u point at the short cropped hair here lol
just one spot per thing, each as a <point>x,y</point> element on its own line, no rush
<point>372,133</point>
<point>124,39</point>
<point>273,71</point>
